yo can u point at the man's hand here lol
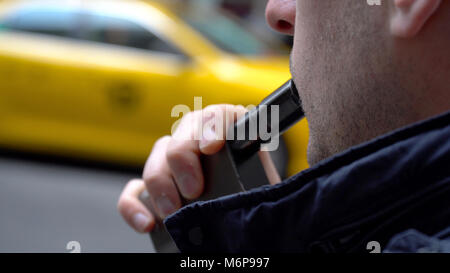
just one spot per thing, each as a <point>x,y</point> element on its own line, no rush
<point>173,168</point>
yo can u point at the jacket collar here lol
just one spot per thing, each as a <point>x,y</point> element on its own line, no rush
<point>356,190</point>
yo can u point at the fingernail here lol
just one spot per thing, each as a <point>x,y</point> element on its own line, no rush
<point>209,134</point>
<point>141,221</point>
<point>165,206</point>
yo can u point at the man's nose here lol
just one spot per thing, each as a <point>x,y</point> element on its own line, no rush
<point>280,15</point>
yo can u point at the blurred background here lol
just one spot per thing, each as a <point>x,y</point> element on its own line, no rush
<point>87,86</point>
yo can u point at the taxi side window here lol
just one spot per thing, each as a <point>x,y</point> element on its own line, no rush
<point>117,31</point>
<point>51,21</point>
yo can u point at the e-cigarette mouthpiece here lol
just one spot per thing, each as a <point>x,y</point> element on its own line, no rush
<point>248,129</point>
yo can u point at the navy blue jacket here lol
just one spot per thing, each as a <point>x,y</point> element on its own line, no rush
<point>396,186</point>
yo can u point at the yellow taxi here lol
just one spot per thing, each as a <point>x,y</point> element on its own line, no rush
<point>98,79</point>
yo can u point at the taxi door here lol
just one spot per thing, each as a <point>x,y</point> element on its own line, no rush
<point>133,79</point>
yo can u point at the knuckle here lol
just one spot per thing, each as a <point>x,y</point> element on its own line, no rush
<point>128,189</point>
<point>240,109</point>
<point>175,153</point>
<point>216,108</point>
<point>188,117</point>
<point>153,178</point>
<point>134,182</point>
<point>123,204</point>
<point>162,140</point>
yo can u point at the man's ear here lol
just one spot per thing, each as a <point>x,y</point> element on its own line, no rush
<point>410,16</point>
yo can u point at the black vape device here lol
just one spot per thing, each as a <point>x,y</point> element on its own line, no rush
<point>236,167</point>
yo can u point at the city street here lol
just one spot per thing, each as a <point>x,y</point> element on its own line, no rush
<point>44,206</point>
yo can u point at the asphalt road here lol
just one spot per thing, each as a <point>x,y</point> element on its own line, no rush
<point>44,206</point>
